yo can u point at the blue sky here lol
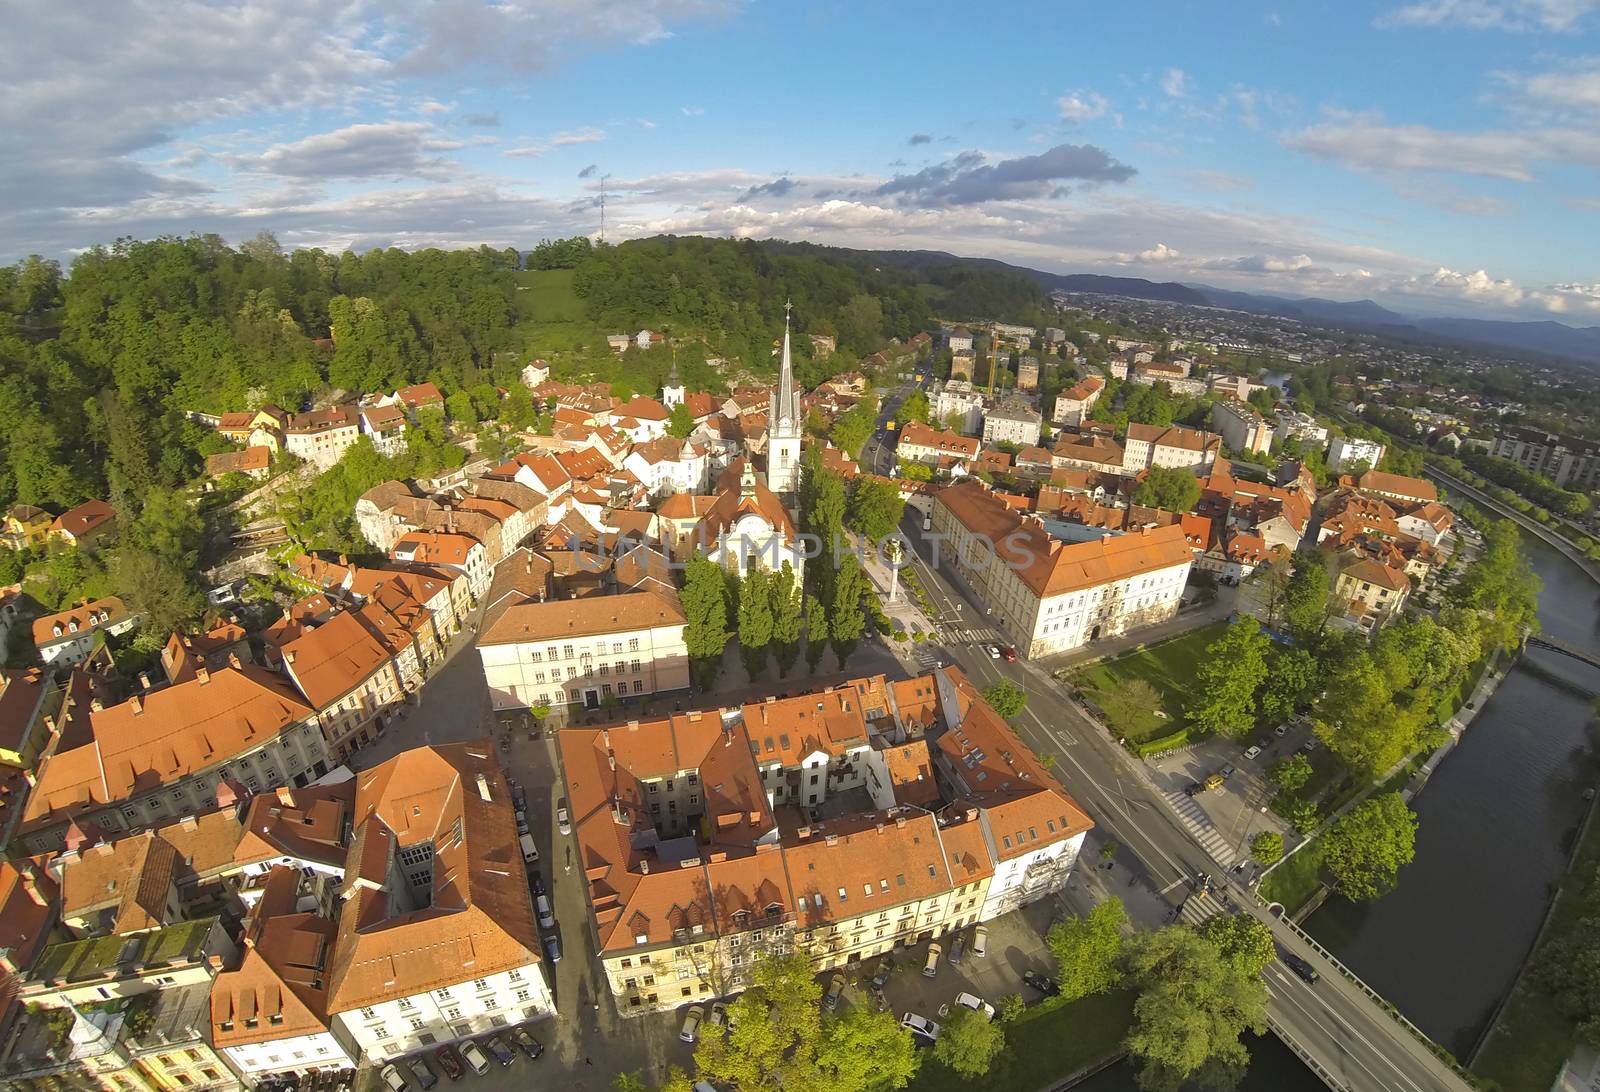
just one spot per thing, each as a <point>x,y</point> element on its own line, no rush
<point>1439,156</point>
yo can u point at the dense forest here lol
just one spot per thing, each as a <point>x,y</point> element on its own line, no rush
<point>98,367</point>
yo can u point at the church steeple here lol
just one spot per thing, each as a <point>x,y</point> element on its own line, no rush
<point>784,424</point>
<point>788,407</point>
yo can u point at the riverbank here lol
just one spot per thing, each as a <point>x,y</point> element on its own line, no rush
<point>1567,548</point>
<point>1529,1038</point>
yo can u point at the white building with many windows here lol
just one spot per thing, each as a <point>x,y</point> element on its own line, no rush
<point>1048,596</point>
<point>586,651</point>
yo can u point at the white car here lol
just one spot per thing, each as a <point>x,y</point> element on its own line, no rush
<point>980,941</point>
<point>691,1024</point>
<point>473,1055</point>
<point>1252,753</point>
<point>920,1025</point>
<point>547,919</point>
<point>993,650</point>
<point>392,1077</point>
<point>975,1003</point>
<point>563,820</point>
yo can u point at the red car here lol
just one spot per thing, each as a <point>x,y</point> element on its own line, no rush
<point>1009,653</point>
<point>448,1062</point>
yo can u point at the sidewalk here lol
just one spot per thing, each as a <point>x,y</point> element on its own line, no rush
<point>1186,620</point>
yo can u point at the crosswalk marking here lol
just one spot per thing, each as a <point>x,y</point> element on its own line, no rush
<point>1199,909</point>
<point>1199,824</point>
<point>970,634</point>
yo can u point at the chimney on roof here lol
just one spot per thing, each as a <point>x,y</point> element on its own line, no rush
<point>95,705</point>
<point>483,788</point>
<point>189,822</point>
<point>202,676</point>
<point>234,661</point>
<point>288,657</point>
<point>214,962</point>
<point>833,839</point>
<point>344,560</point>
<point>136,705</point>
<point>644,866</point>
<point>285,796</point>
<point>30,884</point>
<point>900,821</point>
<point>144,680</point>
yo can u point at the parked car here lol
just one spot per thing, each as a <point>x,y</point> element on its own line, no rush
<point>931,968</point>
<point>835,989</point>
<point>719,1016</point>
<point>980,941</point>
<point>975,1003</point>
<point>1281,730</point>
<point>1009,653</point>
<point>958,947</point>
<point>498,1048</point>
<point>536,880</point>
<point>448,1062</point>
<point>522,822</point>
<point>393,1078</point>
<point>547,918</point>
<point>920,1026</point>
<point>422,1074</point>
<point>881,977</point>
<point>1308,746</point>
<point>691,1024</point>
<point>1252,753</point>
<point>476,1059</point>
<point>526,1043</point>
<point>519,796</point>
<point>1306,971</point>
<point>530,852</point>
<point>994,651</point>
<point>1043,983</point>
<point>563,819</point>
<point>1225,773</point>
<point>552,947</point>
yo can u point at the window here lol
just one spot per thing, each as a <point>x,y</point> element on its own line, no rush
<point>368,1014</point>
<point>568,650</point>
<point>524,994</point>
<point>633,645</point>
<point>638,686</point>
<point>479,984</point>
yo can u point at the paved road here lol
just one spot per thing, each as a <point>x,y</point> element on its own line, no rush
<point>1343,1034</point>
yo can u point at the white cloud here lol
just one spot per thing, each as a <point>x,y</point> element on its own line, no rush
<point>1512,15</point>
<point>585,135</point>
<point>1082,106</point>
<point>1221,181</point>
<point>692,111</point>
<point>1175,83</point>
<point>387,149</point>
<point>1572,88</point>
<point>1369,144</point>
<point>1156,255</point>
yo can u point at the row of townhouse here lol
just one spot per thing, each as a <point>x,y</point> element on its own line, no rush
<point>1144,447</point>
<point>86,525</point>
<point>333,967</point>
<point>704,853</point>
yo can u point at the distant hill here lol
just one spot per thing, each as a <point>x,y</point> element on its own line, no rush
<point>1578,342</point>
<point>1137,287</point>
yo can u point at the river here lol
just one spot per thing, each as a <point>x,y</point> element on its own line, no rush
<point>1495,824</point>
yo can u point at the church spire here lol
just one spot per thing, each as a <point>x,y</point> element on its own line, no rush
<point>787,403</point>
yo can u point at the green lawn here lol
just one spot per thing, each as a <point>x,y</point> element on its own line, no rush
<point>1531,1038</point>
<point>1169,667</point>
<point>1043,1045</point>
<point>549,297</point>
<point>1295,880</point>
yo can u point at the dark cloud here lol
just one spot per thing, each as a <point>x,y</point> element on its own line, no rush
<point>920,138</point>
<point>483,121</point>
<point>970,178</point>
<point>588,172</point>
<point>778,187</point>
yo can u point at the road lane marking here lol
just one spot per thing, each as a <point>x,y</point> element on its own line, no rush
<point>1343,1026</point>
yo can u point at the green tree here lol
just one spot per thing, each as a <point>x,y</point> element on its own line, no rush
<point>705,606</point>
<point>865,1051</point>
<point>969,1042</point>
<point>1502,586</point>
<point>1244,942</point>
<point>1305,600</point>
<point>1168,487</point>
<point>461,410</point>
<point>874,507</point>
<point>1227,679</point>
<point>916,472</point>
<point>1192,1008</point>
<point>1291,674</point>
<point>1365,848</point>
<point>1128,703</point>
<point>854,427</point>
<point>755,620</point>
<point>1289,774</point>
<point>816,632</point>
<point>788,618</point>
<point>680,423</point>
<point>1267,847</point>
<point>1088,950</point>
<point>1360,722</point>
<point>629,1082</point>
<point>158,588</point>
<point>846,621</point>
<point>1006,698</point>
<point>914,408</point>
<point>778,1039</point>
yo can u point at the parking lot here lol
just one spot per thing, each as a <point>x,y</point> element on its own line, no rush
<point>1237,811</point>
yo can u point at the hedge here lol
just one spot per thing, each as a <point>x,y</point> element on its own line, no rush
<point>1168,742</point>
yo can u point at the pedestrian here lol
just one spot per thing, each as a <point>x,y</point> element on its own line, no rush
<point>588,1061</point>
